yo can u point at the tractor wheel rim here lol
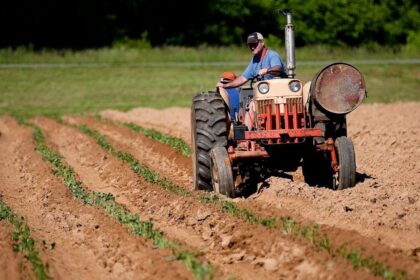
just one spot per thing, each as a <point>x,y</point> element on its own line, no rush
<point>216,184</point>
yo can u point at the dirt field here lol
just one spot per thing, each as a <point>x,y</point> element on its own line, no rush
<point>380,215</point>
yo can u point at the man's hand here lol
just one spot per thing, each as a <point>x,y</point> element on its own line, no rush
<point>220,84</point>
<point>275,70</point>
<point>263,71</point>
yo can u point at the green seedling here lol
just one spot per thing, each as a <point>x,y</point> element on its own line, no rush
<point>176,143</point>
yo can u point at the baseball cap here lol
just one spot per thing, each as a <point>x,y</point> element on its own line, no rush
<point>227,77</point>
<point>254,37</point>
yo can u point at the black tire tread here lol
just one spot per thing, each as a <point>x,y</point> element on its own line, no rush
<point>222,169</point>
<point>347,162</point>
<point>208,129</point>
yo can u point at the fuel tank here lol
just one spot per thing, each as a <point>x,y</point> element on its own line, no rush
<point>339,88</point>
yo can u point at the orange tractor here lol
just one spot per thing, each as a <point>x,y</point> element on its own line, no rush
<point>296,125</point>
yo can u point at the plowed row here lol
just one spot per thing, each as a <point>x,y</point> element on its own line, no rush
<point>90,244</point>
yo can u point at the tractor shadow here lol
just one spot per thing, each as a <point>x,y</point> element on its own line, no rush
<point>361,177</point>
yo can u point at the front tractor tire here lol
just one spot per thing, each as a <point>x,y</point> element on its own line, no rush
<point>346,175</point>
<point>317,169</point>
<point>221,171</point>
<point>209,129</point>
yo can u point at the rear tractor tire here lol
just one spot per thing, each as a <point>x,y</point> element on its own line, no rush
<point>209,129</point>
<point>221,171</point>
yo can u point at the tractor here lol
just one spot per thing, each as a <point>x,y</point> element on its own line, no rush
<point>296,125</point>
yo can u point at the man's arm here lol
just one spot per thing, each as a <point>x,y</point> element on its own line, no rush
<point>274,64</point>
<point>264,71</point>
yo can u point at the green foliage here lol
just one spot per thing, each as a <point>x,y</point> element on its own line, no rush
<point>375,267</point>
<point>288,226</point>
<point>325,243</point>
<point>246,215</point>
<point>269,222</point>
<point>137,44</point>
<point>133,24</point>
<point>209,198</point>
<point>413,40</point>
<point>274,42</point>
<point>23,242</point>
<point>191,261</point>
<point>354,23</point>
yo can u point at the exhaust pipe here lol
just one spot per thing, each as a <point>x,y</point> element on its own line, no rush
<point>289,39</point>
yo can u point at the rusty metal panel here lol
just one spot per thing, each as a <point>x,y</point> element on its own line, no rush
<point>274,134</point>
<point>339,88</point>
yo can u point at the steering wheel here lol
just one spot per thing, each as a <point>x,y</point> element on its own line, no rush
<point>258,78</point>
<point>255,79</point>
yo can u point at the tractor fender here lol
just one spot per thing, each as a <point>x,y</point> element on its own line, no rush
<point>306,94</point>
<point>225,96</point>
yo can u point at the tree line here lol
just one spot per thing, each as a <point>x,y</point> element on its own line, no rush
<point>80,24</point>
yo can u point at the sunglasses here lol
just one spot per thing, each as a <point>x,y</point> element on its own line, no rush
<point>252,46</point>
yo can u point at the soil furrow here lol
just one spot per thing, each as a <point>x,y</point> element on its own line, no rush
<point>172,121</point>
<point>385,204</point>
<point>248,251</point>
<point>165,160</point>
<point>13,265</point>
<point>78,240</point>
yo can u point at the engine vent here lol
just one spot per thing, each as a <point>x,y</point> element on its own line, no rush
<point>261,105</point>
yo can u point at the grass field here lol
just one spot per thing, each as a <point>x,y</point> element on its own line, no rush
<point>54,83</point>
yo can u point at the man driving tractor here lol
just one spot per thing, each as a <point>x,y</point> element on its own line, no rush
<point>265,64</point>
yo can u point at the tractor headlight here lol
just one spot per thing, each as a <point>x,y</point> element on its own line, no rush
<point>295,86</point>
<point>263,88</point>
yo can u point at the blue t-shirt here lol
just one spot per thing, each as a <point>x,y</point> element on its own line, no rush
<point>271,59</point>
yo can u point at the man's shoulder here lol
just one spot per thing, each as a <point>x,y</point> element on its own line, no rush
<point>272,52</point>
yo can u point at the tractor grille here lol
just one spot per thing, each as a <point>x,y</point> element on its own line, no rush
<point>283,113</point>
<point>261,105</point>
